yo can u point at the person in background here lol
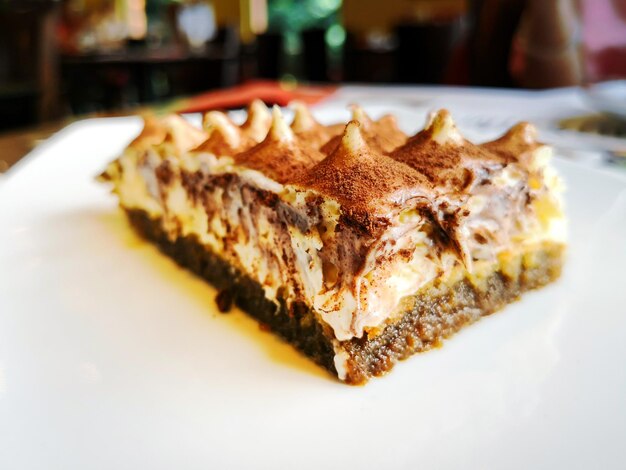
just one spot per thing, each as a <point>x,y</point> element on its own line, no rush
<point>545,44</point>
<point>546,48</point>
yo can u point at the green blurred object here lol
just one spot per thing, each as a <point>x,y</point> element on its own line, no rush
<point>297,15</point>
<point>294,18</point>
<point>597,123</point>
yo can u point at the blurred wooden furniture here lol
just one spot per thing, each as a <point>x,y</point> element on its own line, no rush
<point>364,63</point>
<point>435,40</point>
<point>16,144</point>
<point>140,74</point>
<point>28,62</point>
<point>409,41</point>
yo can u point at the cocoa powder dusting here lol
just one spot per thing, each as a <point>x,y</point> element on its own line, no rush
<point>516,145</point>
<point>382,136</point>
<point>365,183</point>
<point>445,158</point>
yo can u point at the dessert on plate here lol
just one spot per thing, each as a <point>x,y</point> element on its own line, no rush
<point>356,243</point>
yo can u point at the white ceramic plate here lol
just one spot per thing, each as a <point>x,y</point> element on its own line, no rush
<point>111,357</point>
<point>608,97</point>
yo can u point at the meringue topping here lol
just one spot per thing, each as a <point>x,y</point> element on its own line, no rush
<point>442,155</point>
<point>152,134</point>
<point>281,155</point>
<point>308,129</point>
<point>172,130</point>
<point>516,144</point>
<point>258,122</point>
<point>363,181</point>
<point>181,136</point>
<point>225,138</point>
<point>382,136</point>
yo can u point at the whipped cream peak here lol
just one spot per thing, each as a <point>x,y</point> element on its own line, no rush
<point>445,157</point>
<point>383,135</point>
<point>518,144</point>
<point>352,141</point>
<point>359,115</point>
<point>390,123</point>
<point>522,132</point>
<point>281,155</point>
<point>387,125</point>
<point>368,185</point>
<point>209,118</point>
<point>220,123</point>
<point>279,130</point>
<point>225,138</point>
<point>181,135</point>
<point>153,133</point>
<point>309,130</point>
<point>258,122</point>
<point>303,120</point>
<point>442,128</point>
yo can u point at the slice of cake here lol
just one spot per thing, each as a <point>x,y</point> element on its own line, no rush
<point>357,245</point>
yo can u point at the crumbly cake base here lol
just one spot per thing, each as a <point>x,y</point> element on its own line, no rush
<point>432,315</point>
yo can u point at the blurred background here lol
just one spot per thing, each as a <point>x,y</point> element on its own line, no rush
<point>62,58</point>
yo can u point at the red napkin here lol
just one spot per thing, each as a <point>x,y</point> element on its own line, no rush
<point>270,92</point>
